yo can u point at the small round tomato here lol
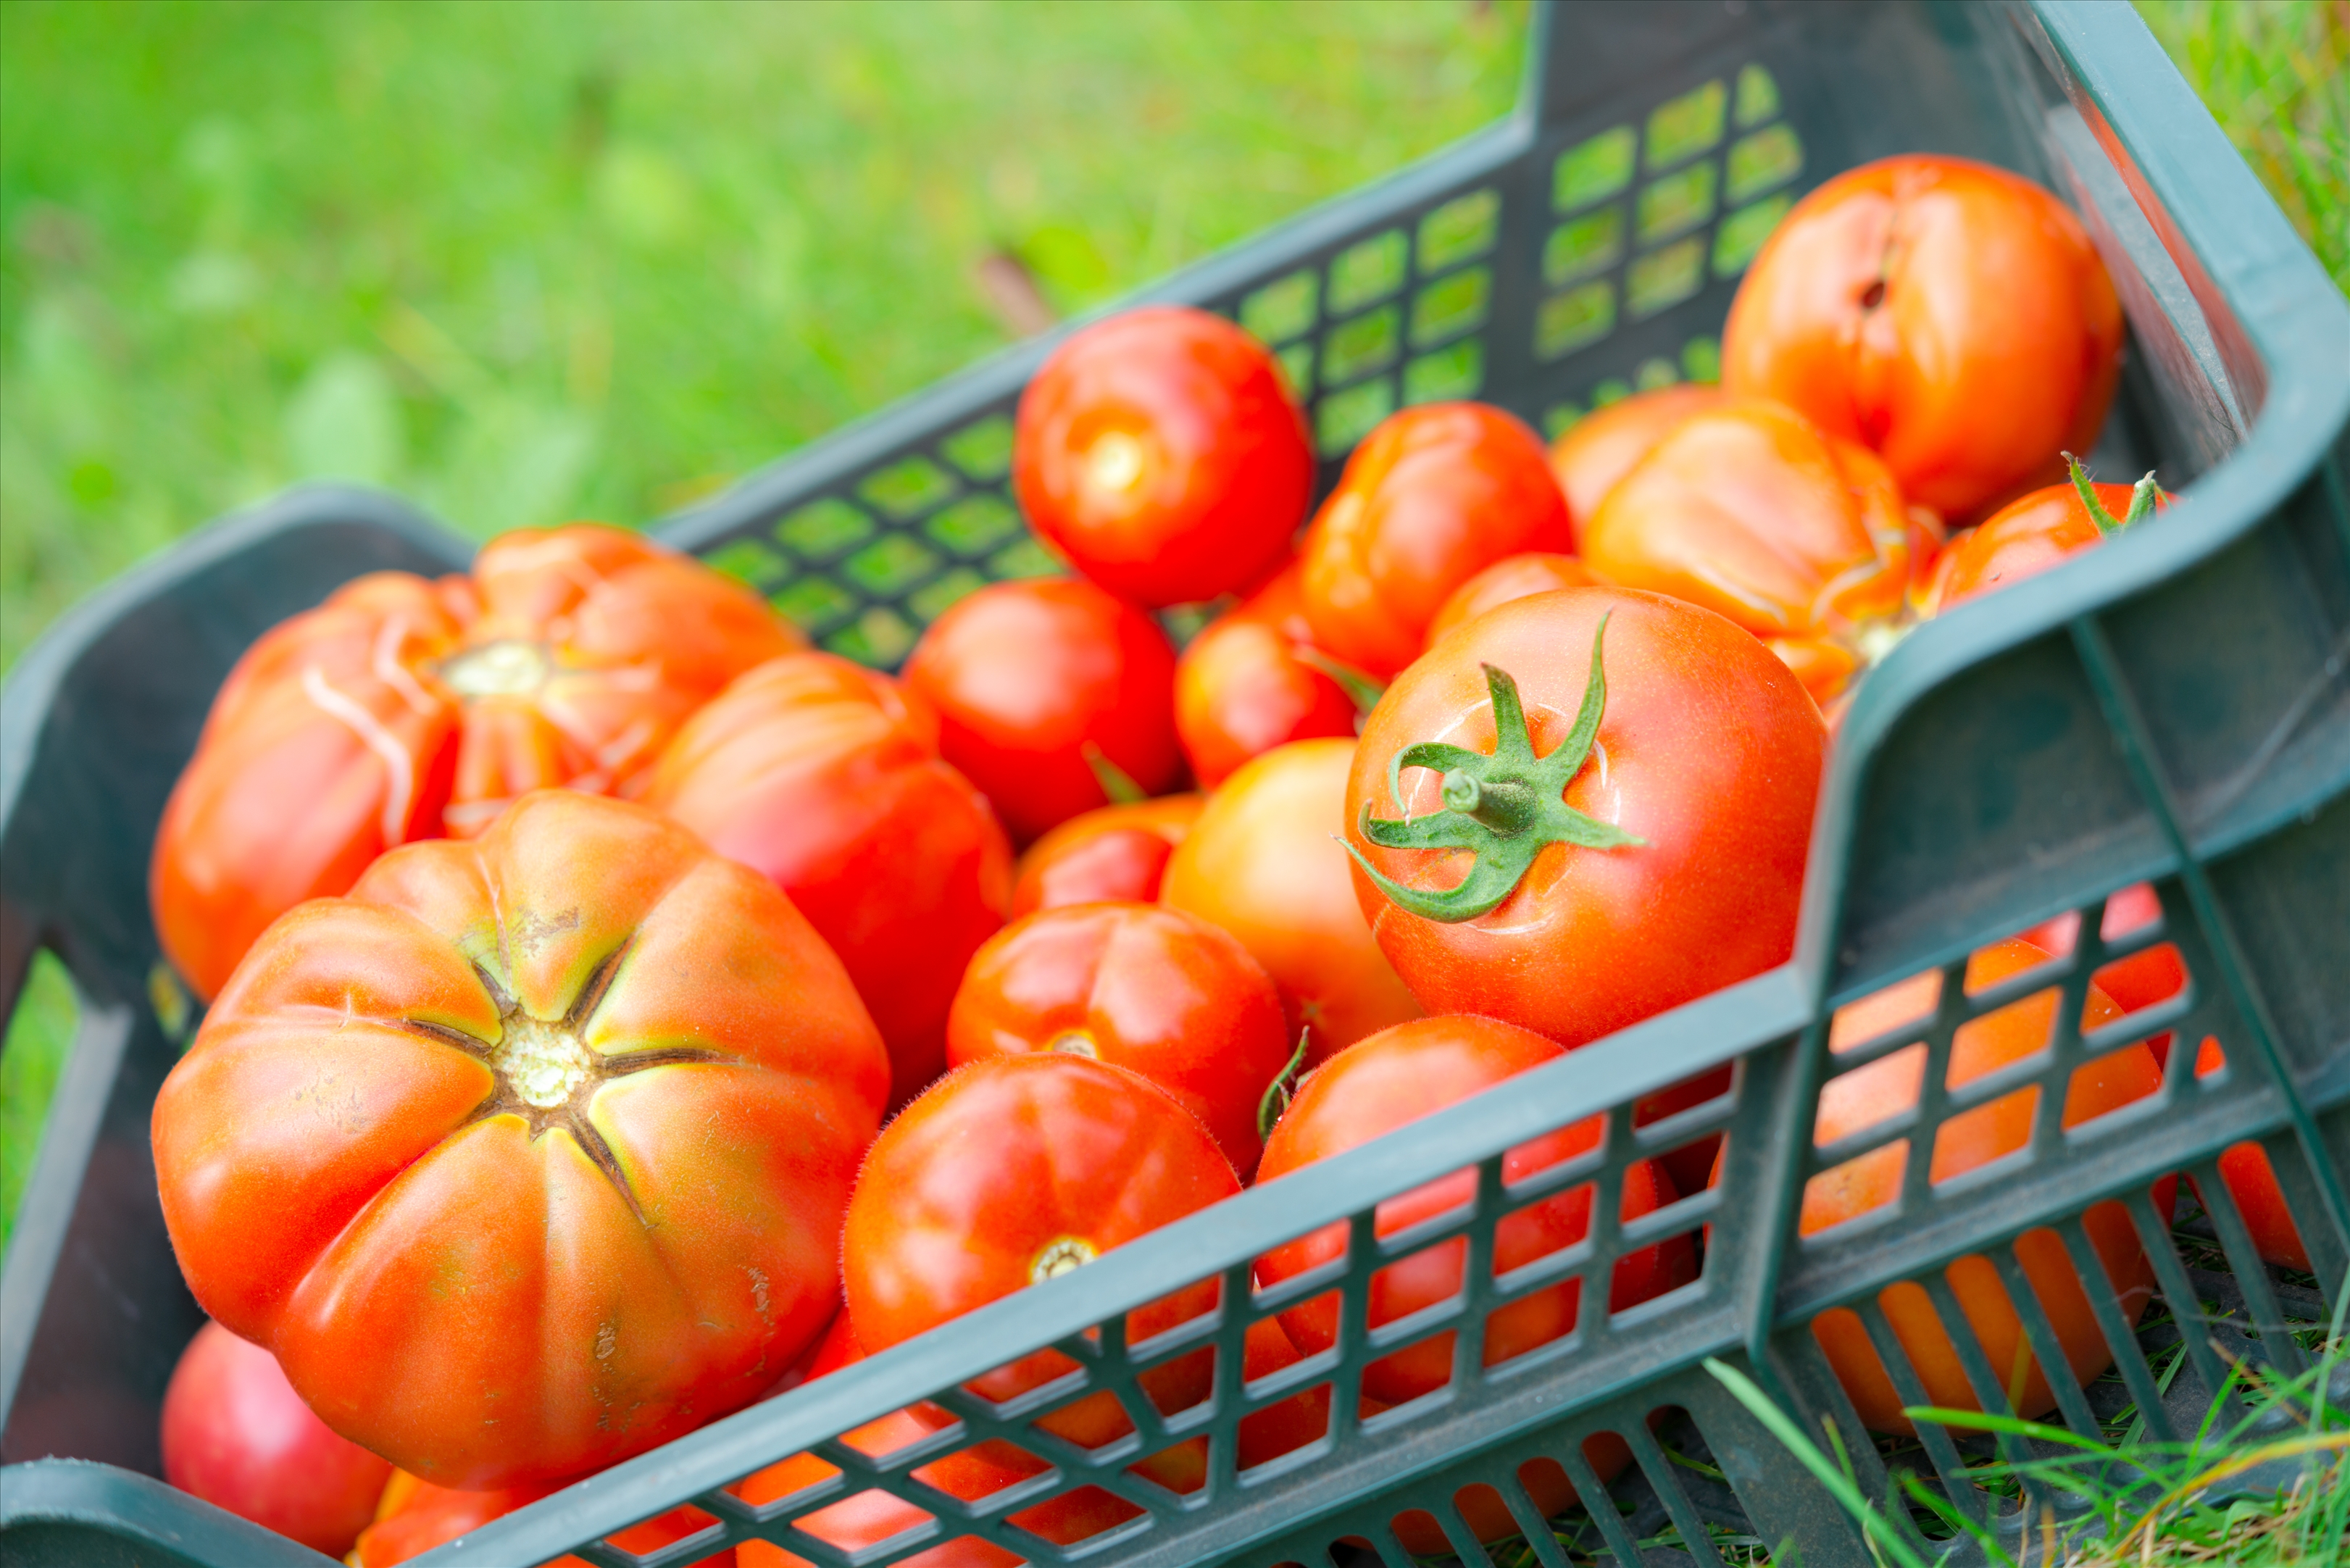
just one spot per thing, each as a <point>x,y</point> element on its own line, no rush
<point>1263,862</point>
<point>1253,680</point>
<point>1606,803</point>
<point>1397,1076</point>
<point>1952,316</point>
<point>825,777</point>
<point>1434,496</point>
<point>1510,577</point>
<point>1112,852</point>
<point>1889,1087</point>
<point>1152,990</point>
<point>1591,455</point>
<point>578,1085</point>
<point>236,1435</point>
<point>2035,531</point>
<point>1161,452</point>
<point>1036,685</point>
<point>415,1516</point>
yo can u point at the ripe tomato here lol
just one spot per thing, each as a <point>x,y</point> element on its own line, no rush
<point>401,708</point>
<point>1161,452</point>
<point>2033,532</point>
<point>825,778</point>
<point>580,1085</point>
<point>1599,892</point>
<point>1114,852</point>
<point>1399,1075</point>
<point>1510,577</point>
<point>1262,864</point>
<point>1433,496</point>
<point>1152,990</point>
<point>1953,315</point>
<point>1598,449</point>
<point>1253,680</point>
<point>1750,510</point>
<point>1032,679</point>
<point>236,1435</point>
<point>1887,1087</point>
<point>2137,982</point>
<point>415,1516</point>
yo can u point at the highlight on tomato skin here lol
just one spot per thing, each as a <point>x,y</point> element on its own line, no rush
<point>1117,851</point>
<point>1253,679</point>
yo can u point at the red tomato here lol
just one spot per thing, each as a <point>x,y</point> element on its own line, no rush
<point>415,1516</point>
<point>2137,982</point>
<point>1030,679</point>
<point>2030,534</point>
<point>1749,510</point>
<point>1953,315</point>
<point>1602,447</point>
<point>1887,1087</point>
<point>1114,852</point>
<point>1161,451</point>
<point>825,777</point>
<point>579,1084</point>
<point>1433,496</point>
<point>236,1435</point>
<point>1510,577</point>
<point>1263,862</point>
<point>1253,680</point>
<point>1152,990</point>
<point>401,708</point>
<point>2251,1183</point>
<point>1601,891</point>
<point>1397,1076</point>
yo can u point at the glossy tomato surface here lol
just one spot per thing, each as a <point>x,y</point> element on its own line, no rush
<point>1030,677</point>
<point>236,1435</point>
<point>1143,987</point>
<point>415,1516</point>
<point>1953,315</point>
<point>826,777</point>
<point>1395,1077</point>
<point>2022,539</point>
<point>1263,863</point>
<point>530,1154</point>
<point>1161,452</point>
<point>1706,751</point>
<point>1591,455</point>
<point>402,709</point>
<point>1250,681</point>
<point>1433,496</point>
<point>1110,852</point>
<point>1512,577</point>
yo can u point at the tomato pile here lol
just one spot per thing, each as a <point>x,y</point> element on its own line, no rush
<point>620,1012</point>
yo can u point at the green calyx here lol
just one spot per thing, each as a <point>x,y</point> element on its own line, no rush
<point>1506,808</point>
<point>1361,689</point>
<point>1114,781</point>
<point>2143,496</point>
<point>1275,1102</point>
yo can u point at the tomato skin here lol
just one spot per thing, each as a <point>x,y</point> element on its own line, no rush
<point>1111,852</point>
<point>415,1516</point>
<point>825,777</point>
<point>1152,990</point>
<point>1590,455</point>
<point>1262,863</point>
<point>1953,315</point>
<point>2022,539</point>
<point>1024,675</point>
<point>236,1435</point>
<point>410,1132</point>
<point>1510,577</point>
<point>1706,748</point>
<point>1161,452</point>
<point>1397,1076</point>
<point>1432,497</point>
<point>1242,688</point>
<point>401,708</point>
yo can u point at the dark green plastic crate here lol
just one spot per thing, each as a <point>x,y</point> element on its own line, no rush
<point>2173,708</point>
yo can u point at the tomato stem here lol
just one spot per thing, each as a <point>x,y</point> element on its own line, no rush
<point>2144,497</point>
<point>1114,781</point>
<point>1284,1088</point>
<point>1358,685</point>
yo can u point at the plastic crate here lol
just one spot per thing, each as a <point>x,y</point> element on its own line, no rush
<point>2173,708</point>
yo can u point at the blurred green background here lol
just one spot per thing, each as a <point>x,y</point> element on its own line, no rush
<point>524,262</point>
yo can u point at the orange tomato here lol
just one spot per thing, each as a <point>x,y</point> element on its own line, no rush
<point>1510,577</point>
<point>415,1516</point>
<point>1598,449</point>
<point>1110,852</point>
<point>1253,680</point>
<point>2024,538</point>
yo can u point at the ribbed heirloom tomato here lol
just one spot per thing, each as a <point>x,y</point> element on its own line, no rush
<point>1591,455</point>
<point>401,708</point>
<point>531,1154</point>
<point>1253,679</point>
<point>1110,852</point>
<point>1510,577</point>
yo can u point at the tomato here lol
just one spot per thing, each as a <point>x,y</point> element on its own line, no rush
<point>1262,863</point>
<point>1161,451</point>
<point>236,1435</point>
<point>1887,1087</point>
<point>1113,852</point>
<point>1599,892</point>
<point>1253,680</point>
<point>1397,1076</point>
<point>1152,990</point>
<point>530,1154</point>
<point>1952,316</point>
<point>1434,496</point>
<point>1510,577</point>
<point>1035,683</point>
<point>1748,509</point>
<point>415,1516</point>
<point>2033,532</point>
<point>825,778</point>
<point>1591,455</point>
<point>2251,1184</point>
<point>2137,982</point>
